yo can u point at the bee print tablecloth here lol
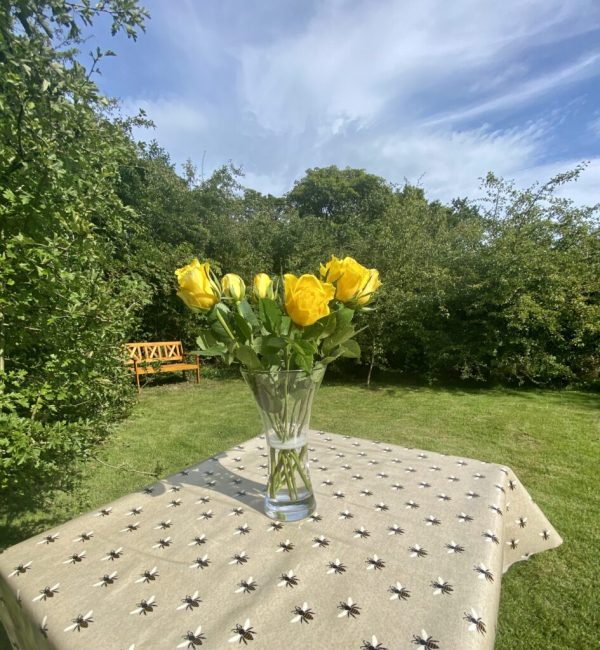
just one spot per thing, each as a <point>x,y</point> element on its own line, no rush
<point>407,549</point>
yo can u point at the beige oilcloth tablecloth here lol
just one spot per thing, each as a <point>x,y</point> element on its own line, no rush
<point>407,550</point>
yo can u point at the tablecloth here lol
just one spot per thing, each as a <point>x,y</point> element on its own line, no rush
<point>406,550</point>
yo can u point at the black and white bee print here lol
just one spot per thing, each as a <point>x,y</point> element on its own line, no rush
<point>302,614</point>
<point>84,537</point>
<point>346,514</point>
<point>522,521</point>
<point>375,563</point>
<point>174,488</point>
<point>357,477</point>
<point>244,529</point>
<point>444,497</point>
<point>336,567</point>
<point>275,525</point>
<point>145,606</point>
<point>204,500</point>
<point>239,558</point>
<point>339,495</point>
<point>163,542</point>
<point>441,587</point>
<point>189,603</point>
<point>395,529</point>
<point>483,572</point>
<point>236,512</point>
<point>130,528</point>
<point>47,592</point>
<point>208,514</point>
<point>50,539</point>
<point>399,592</point>
<point>349,609</point>
<point>462,517</point>
<point>430,520</point>
<point>114,554</point>
<point>397,487</point>
<point>107,579</point>
<point>315,517</point>
<point>411,505</point>
<point>373,644</point>
<point>191,640</point>
<point>247,586</point>
<point>20,569</point>
<point>135,511</point>
<point>545,534</point>
<point>424,484</point>
<point>425,640</point>
<point>490,536</point>
<point>200,562</point>
<point>381,507</point>
<point>81,622</point>
<point>103,512</point>
<point>320,542</point>
<point>513,543</point>
<point>75,558</point>
<point>361,533</point>
<point>198,540</point>
<point>475,622</point>
<point>417,551</point>
<point>243,633</point>
<point>149,575</point>
<point>289,579</point>
<point>285,547</point>
<point>163,525</point>
<point>453,547</point>
<point>496,509</point>
<point>366,493</point>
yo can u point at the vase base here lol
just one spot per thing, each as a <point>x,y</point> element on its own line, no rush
<point>290,510</point>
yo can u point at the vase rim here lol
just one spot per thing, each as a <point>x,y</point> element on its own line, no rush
<point>250,371</point>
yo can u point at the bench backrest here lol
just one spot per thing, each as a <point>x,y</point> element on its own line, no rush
<point>154,351</point>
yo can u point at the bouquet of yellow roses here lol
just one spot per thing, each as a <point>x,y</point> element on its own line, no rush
<point>283,333</point>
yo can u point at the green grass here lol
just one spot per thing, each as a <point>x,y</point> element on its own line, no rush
<point>549,438</point>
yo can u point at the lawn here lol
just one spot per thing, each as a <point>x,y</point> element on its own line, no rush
<point>550,439</point>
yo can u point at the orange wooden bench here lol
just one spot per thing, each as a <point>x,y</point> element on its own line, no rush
<point>160,356</point>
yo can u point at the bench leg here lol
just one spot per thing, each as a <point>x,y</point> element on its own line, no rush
<point>197,371</point>
<point>137,381</point>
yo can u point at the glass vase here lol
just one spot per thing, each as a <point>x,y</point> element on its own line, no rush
<point>284,399</point>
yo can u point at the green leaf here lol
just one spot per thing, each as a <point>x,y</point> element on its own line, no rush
<point>246,355</point>
<point>270,315</point>
<point>245,310</point>
<point>243,327</point>
<point>350,349</point>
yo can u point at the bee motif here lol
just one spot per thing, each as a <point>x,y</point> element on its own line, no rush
<point>440,586</point>
<point>148,490</point>
<point>203,499</point>
<point>135,511</point>
<point>464,518</point>
<point>114,554</point>
<point>190,602</point>
<point>130,528</point>
<point>399,592</point>
<point>424,484</point>
<point>49,539</point>
<point>435,468</point>
<point>394,529</point>
<point>75,558</point>
<point>206,515</point>
<point>198,540</point>
<point>471,495</point>
<point>417,551</point>
<point>322,468</point>
<point>430,520</point>
<point>237,481</point>
<point>184,472</point>
<point>247,586</point>
<point>512,484</point>
<point>192,639</point>
<point>149,575</point>
<point>475,622</point>
<point>490,536</point>
<point>444,497</point>
<point>545,534</point>
<point>244,529</point>
<point>477,476</point>
<point>453,547</point>
<point>339,495</point>
<point>410,470</point>
<point>396,460</point>
<point>240,558</point>
<point>373,644</point>
<point>425,641</point>
<point>496,509</point>
<point>321,542</point>
<point>200,562</point>
<point>81,621</point>
<point>174,488</point>
<point>145,606</point>
<point>44,627</point>
<point>513,543</point>
<point>175,503</point>
<point>366,493</point>
<point>213,482</point>
<point>522,521</point>
<point>289,579</point>
<point>163,543</point>
<point>381,507</point>
<point>103,512</point>
<point>362,453</point>
<point>346,515</point>
<point>461,462</point>
<point>285,547</point>
<point>303,614</point>
<point>348,609</point>
<point>243,633</point>
<point>107,579</point>
<point>47,592</point>
<point>84,537</point>
<point>453,479</point>
<point>411,505</point>
<point>316,517</point>
<point>275,525</point>
<point>484,572</point>
<point>241,493</point>
<point>20,569</point>
<point>374,563</point>
<point>336,567</point>
<point>421,455</point>
<point>346,466</point>
<point>361,532</point>
<point>236,512</point>
<point>373,462</point>
<point>500,488</point>
<point>382,475</point>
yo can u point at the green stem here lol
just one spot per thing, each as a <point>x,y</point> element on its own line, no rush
<point>225,326</point>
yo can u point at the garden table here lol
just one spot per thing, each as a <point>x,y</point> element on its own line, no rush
<point>407,549</point>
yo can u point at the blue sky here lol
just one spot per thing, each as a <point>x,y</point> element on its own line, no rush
<point>434,92</point>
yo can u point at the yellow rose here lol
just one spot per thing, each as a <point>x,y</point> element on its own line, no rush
<point>196,288</point>
<point>354,283</point>
<point>263,286</point>
<point>307,298</point>
<point>233,286</point>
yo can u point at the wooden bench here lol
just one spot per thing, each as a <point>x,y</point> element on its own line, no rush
<point>160,356</point>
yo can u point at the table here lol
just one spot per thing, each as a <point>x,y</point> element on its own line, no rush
<point>407,549</point>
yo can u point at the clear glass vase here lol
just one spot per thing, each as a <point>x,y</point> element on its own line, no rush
<point>284,399</point>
